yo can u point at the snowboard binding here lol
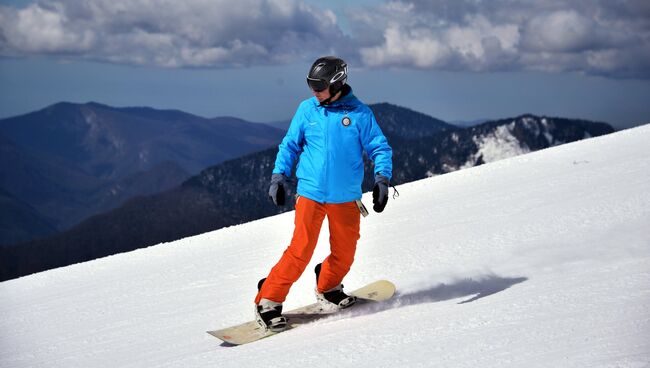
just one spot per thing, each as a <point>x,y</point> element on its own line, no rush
<point>334,298</point>
<point>268,314</point>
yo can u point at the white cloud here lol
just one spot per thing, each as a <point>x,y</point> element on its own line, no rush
<point>476,45</point>
<point>562,31</point>
<point>416,47</point>
<point>593,37</point>
<point>189,33</point>
<point>41,29</point>
<point>602,37</point>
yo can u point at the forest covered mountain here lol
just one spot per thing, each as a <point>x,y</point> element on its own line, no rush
<point>70,161</point>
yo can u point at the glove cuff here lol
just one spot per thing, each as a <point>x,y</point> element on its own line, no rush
<point>278,179</point>
<point>381,179</point>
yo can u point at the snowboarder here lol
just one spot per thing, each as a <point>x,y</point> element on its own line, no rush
<point>330,132</point>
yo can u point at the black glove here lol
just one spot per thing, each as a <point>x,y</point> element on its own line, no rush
<point>380,193</point>
<point>276,191</point>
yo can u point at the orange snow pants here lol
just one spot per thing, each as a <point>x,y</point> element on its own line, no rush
<point>343,219</point>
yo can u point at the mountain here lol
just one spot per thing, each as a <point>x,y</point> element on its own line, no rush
<point>283,124</point>
<point>235,191</point>
<point>468,123</point>
<point>488,142</point>
<point>403,123</point>
<point>69,161</point>
<point>541,260</point>
<point>24,222</point>
<point>227,194</point>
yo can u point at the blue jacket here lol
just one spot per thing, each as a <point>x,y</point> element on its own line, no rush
<point>330,141</point>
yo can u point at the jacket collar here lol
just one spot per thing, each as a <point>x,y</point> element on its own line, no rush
<point>347,98</point>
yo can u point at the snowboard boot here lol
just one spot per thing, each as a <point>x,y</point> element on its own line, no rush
<point>335,296</point>
<point>268,314</point>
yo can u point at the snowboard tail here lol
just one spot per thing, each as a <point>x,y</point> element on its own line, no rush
<point>252,331</point>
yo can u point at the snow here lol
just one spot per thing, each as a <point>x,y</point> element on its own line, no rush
<point>541,260</point>
<point>497,145</point>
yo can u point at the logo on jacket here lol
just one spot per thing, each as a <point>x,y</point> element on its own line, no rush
<point>346,121</point>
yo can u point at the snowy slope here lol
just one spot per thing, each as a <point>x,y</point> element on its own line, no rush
<point>541,260</point>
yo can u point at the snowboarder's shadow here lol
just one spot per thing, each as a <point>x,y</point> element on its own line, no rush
<point>473,288</point>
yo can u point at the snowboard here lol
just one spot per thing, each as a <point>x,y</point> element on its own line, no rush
<point>251,331</point>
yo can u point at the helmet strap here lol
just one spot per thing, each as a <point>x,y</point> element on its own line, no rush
<point>341,92</point>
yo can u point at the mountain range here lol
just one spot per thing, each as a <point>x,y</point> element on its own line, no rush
<point>234,191</point>
<point>67,162</point>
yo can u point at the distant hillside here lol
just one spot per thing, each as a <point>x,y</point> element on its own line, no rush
<point>403,123</point>
<point>236,191</point>
<point>488,142</point>
<point>283,125</point>
<point>468,123</point>
<point>69,161</point>
<point>23,222</point>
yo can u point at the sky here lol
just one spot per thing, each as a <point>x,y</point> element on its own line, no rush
<point>454,60</point>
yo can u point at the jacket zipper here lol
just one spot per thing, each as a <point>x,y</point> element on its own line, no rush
<point>327,151</point>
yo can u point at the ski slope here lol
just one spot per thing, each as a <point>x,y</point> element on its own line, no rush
<point>542,260</point>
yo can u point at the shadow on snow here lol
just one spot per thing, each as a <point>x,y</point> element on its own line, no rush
<point>472,288</point>
<point>477,288</point>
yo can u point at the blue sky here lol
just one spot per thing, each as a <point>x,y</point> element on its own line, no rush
<point>454,60</point>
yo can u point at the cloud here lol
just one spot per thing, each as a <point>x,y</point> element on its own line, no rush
<point>189,33</point>
<point>593,37</point>
<point>476,45</point>
<point>598,37</point>
<point>41,29</point>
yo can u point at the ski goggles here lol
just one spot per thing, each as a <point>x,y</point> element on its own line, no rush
<point>317,85</point>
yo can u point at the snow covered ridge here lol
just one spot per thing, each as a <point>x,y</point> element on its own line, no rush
<point>502,142</point>
<point>502,139</point>
<point>498,145</point>
<point>541,260</point>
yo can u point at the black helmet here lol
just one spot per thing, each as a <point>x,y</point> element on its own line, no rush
<point>328,71</point>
